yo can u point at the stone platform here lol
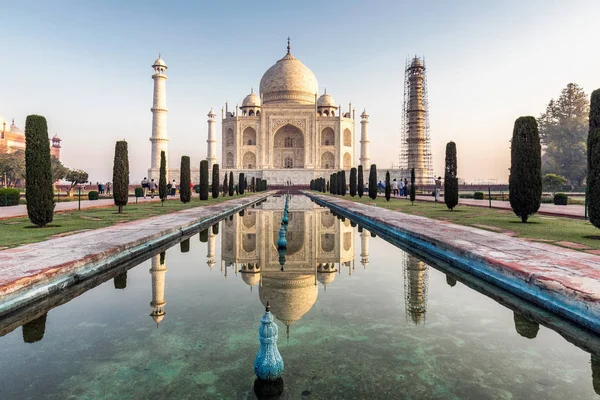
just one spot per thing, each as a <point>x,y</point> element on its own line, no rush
<point>34,271</point>
<point>563,281</point>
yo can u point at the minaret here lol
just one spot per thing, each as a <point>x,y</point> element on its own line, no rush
<point>159,117</point>
<point>416,152</point>
<point>365,236</point>
<point>211,151</point>
<point>158,271</point>
<point>365,160</point>
<point>211,248</point>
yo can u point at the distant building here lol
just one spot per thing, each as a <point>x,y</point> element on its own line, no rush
<point>13,139</point>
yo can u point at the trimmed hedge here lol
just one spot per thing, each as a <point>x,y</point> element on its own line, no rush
<point>215,181</point>
<point>121,175</point>
<point>139,191</point>
<point>593,160</point>
<point>9,197</point>
<point>478,195</point>
<point>185,192</point>
<point>162,180</point>
<point>561,199</point>
<point>38,172</point>
<point>92,195</point>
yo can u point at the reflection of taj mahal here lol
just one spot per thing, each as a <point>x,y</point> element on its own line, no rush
<point>317,241</point>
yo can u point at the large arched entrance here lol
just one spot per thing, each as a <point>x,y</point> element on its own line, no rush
<point>288,147</point>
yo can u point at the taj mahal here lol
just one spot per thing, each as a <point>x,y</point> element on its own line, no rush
<point>286,132</point>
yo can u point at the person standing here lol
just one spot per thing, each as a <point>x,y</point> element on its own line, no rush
<point>438,187</point>
<point>151,188</point>
<point>145,185</point>
<point>173,188</point>
<point>394,188</point>
<point>401,187</point>
<point>405,187</point>
<point>108,188</point>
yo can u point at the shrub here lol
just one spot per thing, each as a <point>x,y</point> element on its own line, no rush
<point>373,182</point>
<point>242,182</point>
<point>561,199</point>
<point>196,188</point>
<point>9,197</point>
<point>450,177</point>
<point>343,185</point>
<point>593,160</point>
<point>413,187</point>
<point>388,186</point>
<point>360,182</point>
<point>38,172</point>
<point>204,236</point>
<point>121,175</point>
<point>225,185</point>
<point>203,185</point>
<point>215,229</point>
<point>525,180</point>
<point>184,246</point>
<point>215,181</point>
<point>185,193</point>
<point>478,195</point>
<point>162,180</point>
<point>139,191</point>
<point>92,195</point>
<point>253,184</point>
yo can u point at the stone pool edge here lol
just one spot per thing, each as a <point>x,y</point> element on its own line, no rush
<point>55,276</point>
<point>534,288</point>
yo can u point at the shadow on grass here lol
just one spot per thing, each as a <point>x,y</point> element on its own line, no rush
<point>525,223</point>
<point>593,237</point>
<point>38,227</point>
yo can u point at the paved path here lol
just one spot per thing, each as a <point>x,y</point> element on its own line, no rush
<point>21,209</point>
<point>34,271</point>
<point>570,211</point>
<point>561,280</point>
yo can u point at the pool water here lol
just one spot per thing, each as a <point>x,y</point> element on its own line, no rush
<point>358,318</point>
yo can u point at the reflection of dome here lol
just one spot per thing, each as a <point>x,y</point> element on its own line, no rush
<point>290,295</point>
<point>326,101</point>
<point>251,278</point>
<point>158,317</point>
<point>326,273</point>
<point>252,100</point>
<point>289,81</point>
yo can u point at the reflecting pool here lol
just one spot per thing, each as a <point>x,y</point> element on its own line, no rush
<point>358,319</point>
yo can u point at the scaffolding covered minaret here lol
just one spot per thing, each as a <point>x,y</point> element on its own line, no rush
<point>415,150</point>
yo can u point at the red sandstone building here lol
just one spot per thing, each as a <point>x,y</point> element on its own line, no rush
<point>13,139</point>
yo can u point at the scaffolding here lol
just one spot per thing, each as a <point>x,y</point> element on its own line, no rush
<point>415,140</point>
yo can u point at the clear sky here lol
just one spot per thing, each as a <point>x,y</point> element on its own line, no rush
<point>85,66</point>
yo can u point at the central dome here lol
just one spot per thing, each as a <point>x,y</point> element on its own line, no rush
<point>289,81</point>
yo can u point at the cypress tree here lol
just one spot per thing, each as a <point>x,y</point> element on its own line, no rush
<point>230,183</point>
<point>373,182</point>
<point>388,186</point>
<point>334,184</point>
<point>245,184</point>
<point>360,183</point>
<point>312,184</point>
<point>225,185</point>
<point>162,181</point>
<point>38,172</point>
<point>121,175</point>
<point>353,182</point>
<point>204,236</point>
<point>241,182</point>
<point>184,246</point>
<point>593,160</point>
<point>253,184</point>
<point>413,187</point>
<point>329,185</point>
<point>185,192</point>
<point>343,185</point>
<point>215,181</point>
<point>450,177</point>
<point>204,180</point>
<point>525,180</point>
<point>215,229</point>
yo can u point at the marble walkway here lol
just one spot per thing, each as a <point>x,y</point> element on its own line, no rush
<point>564,281</point>
<point>33,271</point>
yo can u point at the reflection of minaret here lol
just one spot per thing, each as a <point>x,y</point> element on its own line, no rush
<point>158,271</point>
<point>364,247</point>
<point>210,255</point>
<point>416,276</point>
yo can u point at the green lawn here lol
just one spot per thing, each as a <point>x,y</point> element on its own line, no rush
<point>539,227</point>
<point>17,231</point>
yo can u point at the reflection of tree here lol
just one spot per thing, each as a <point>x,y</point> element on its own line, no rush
<point>185,246</point>
<point>596,373</point>
<point>204,236</point>
<point>120,281</point>
<point>416,277</point>
<point>33,331</point>
<point>526,327</point>
<point>450,281</point>
<point>268,390</point>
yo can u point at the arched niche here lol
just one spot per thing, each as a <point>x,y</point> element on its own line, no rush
<point>347,137</point>
<point>288,146</point>
<point>347,160</point>
<point>249,137</point>
<point>327,137</point>
<point>249,160</point>
<point>229,160</point>
<point>327,160</point>
<point>229,140</point>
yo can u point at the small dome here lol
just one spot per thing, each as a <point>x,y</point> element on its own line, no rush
<point>56,138</point>
<point>252,100</point>
<point>251,278</point>
<point>364,114</point>
<point>416,63</point>
<point>326,101</point>
<point>159,62</point>
<point>326,277</point>
<point>14,129</point>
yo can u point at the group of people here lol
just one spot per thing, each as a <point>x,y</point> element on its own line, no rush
<point>103,188</point>
<point>150,187</point>
<point>399,188</point>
